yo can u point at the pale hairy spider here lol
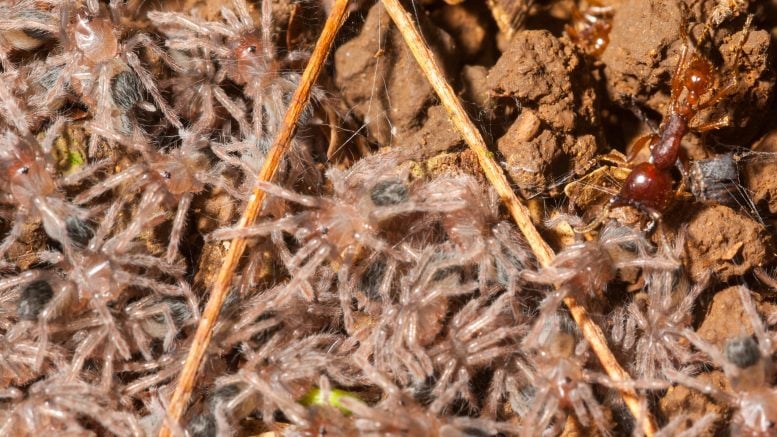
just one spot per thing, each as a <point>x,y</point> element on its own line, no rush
<point>18,347</point>
<point>103,69</point>
<point>399,414</point>
<point>25,25</point>
<point>94,278</point>
<point>246,55</point>
<point>584,269</point>
<point>747,364</point>
<point>165,179</point>
<point>480,335</point>
<point>279,372</point>
<point>648,327</point>
<point>558,381</point>
<point>406,328</point>
<point>29,185</point>
<point>336,228</point>
<point>199,88</point>
<point>481,238</point>
<point>56,406</point>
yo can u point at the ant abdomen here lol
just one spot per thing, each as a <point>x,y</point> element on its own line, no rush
<point>647,187</point>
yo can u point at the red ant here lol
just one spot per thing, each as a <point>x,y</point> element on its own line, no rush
<point>590,29</point>
<point>650,185</point>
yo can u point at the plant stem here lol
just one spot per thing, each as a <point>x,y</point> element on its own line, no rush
<point>281,145</point>
<point>592,333</point>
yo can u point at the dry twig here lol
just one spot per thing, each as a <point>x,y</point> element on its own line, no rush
<point>281,145</point>
<point>592,333</point>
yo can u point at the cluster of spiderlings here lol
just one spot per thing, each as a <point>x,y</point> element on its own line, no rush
<point>374,298</point>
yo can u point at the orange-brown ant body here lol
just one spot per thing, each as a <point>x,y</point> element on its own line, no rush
<point>650,185</point>
<point>590,29</point>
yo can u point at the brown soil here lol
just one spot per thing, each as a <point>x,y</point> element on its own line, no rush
<point>556,132</point>
<point>380,80</point>
<point>550,111</point>
<point>725,243</point>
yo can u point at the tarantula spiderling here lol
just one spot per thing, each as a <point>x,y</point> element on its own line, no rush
<point>103,69</point>
<point>479,336</point>
<point>54,405</point>
<point>165,177</point>
<point>481,238</point>
<point>556,381</point>
<point>748,366</point>
<point>245,55</point>
<point>585,269</point>
<point>337,227</point>
<point>30,184</point>
<point>648,327</point>
<point>410,322</point>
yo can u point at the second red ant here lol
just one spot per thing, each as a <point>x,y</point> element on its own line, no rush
<point>650,187</point>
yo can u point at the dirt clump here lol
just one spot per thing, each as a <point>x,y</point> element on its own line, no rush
<point>694,404</point>
<point>760,175</point>
<point>725,242</point>
<point>467,23</point>
<point>381,81</point>
<point>436,135</point>
<point>558,129</point>
<point>641,56</point>
<point>726,318</point>
<point>645,46</point>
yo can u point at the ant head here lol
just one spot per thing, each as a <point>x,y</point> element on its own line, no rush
<point>697,79</point>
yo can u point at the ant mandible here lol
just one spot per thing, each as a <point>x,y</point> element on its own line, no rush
<point>649,186</point>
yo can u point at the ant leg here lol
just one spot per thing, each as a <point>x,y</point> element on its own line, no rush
<point>635,109</point>
<point>677,82</point>
<point>713,125</point>
<point>682,166</point>
<point>597,220</point>
<point>639,145</point>
<point>735,81</point>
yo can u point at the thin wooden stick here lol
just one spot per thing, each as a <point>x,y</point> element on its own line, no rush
<point>221,288</point>
<point>592,333</point>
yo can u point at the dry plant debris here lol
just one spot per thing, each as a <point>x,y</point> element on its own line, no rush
<point>376,285</point>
